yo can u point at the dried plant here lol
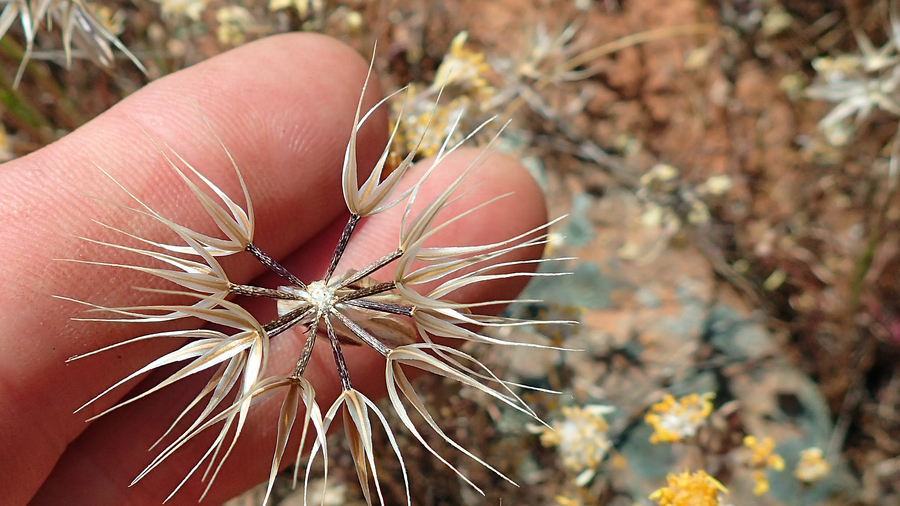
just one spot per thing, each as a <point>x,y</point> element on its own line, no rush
<point>79,22</point>
<point>397,318</point>
<point>20,9</point>
<point>859,84</point>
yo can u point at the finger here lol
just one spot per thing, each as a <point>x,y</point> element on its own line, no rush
<point>99,465</point>
<point>283,107</point>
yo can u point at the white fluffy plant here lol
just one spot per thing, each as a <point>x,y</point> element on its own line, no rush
<point>394,318</point>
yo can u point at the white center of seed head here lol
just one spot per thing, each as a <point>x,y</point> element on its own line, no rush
<point>322,297</point>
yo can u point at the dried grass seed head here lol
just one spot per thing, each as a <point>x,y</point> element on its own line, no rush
<point>394,318</point>
<point>81,22</point>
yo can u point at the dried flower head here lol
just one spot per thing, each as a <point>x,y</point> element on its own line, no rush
<point>673,420</point>
<point>690,489</point>
<point>397,318</point>
<point>581,439</point>
<point>812,466</point>
<point>859,84</point>
<point>79,22</point>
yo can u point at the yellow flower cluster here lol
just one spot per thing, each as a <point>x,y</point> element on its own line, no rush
<point>673,420</point>
<point>763,457</point>
<point>812,466</point>
<point>424,124</point>
<point>417,134</point>
<point>580,438</point>
<point>689,489</point>
<point>464,68</point>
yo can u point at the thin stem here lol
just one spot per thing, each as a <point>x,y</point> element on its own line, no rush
<point>273,265</point>
<point>374,266</point>
<point>341,245</point>
<point>338,357</point>
<point>307,348</point>
<point>365,292</point>
<point>382,306</point>
<point>362,334</point>
<point>287,320</point>
<point>256,291</point>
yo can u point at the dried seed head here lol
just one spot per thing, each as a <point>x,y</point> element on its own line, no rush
<point>394,318</point>
<point>79,22</point>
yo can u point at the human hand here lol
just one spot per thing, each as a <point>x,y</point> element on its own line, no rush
<point>283,107</point>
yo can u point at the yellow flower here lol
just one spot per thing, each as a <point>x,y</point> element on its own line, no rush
<point>689,489</point>
<point>464,68</point>
<point>424,126</point>
<point>762,457</point>
<point>673,420</point>
<point>580,438</point>
<point>760,483</point>
<point>763,453</point>
<point>812,466</point>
